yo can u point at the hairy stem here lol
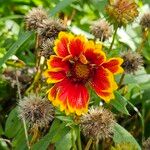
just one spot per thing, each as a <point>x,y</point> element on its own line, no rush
<point>79,140</point>
<point>88,145</point>
<point>121,80</point>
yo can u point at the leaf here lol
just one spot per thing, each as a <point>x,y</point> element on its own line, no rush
<point>13,124</point>
<point>121,135</point>
<point>56,131</point>
<point>120,103</point>
<point>24,36</point>
<point>65,143</point>
<point>60,6</point>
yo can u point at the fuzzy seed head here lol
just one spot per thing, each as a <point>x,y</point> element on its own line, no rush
<point>124,146</point>
<point>132,61</point>
<point>146,144</point>
<point>36,111</point>
<point>145,20</point>
<point>122,12</point>
<point>34,18</point>
<point>47,48</point>
<point>50,28</point>
<point>97,123</point>
<point>101,29</point>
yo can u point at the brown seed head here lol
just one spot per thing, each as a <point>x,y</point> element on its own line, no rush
<point>97,123</point>
<point>101,29</point>
<point>36,110</point>
<point>146,144</point>
<point>34,18</point>
<point>50,28</point>
<point>132,61</point>
<point>145,20</point>
<point>122,12</point>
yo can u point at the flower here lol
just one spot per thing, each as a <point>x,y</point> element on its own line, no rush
<point>77,64</point>
<point>145,20</point>
<point>36,110</point>
<point>132,61</point>
<point>35,18</point>
<point>122,12</point>
<point>97,123</point>
<point>101,29</point>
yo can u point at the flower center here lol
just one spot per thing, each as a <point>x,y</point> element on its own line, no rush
<point>81,71</point>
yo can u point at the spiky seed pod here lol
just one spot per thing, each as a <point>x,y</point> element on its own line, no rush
<point>34,18</point>
<point>145,20</point>
<point>50,28</point>
<point>101,29</point>
<point>146,144</point>
<point>124,146</point>
<point>36,111</point>
<point>47,48</point>
<point>122,12</point>
<point>97,123</point>
<point>132,61</point>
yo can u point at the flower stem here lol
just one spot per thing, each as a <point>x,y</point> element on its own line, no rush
<point>114,35</point>
<point>88,145</point>
<point>79,140</point>
<point>121,80</point>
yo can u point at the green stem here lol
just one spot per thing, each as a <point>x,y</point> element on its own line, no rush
<point>114,35</point>
<point>79,140</point>
<point>97,144</point>
<point>88,145</point>
<point>121,80</point>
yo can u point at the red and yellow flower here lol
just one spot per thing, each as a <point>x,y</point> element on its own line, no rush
<point>77,64</point>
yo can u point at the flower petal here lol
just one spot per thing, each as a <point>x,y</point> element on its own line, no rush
<point>55,63</point>
<point>76,46</point>
<point>54,77</point>
<point>114,65</point>
<point>61,44</point>
<point>94,54</point>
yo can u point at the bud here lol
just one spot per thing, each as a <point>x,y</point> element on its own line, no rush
<point>34,18</point>
<point>132,61</point>
<point>101,29</point>
<point>145,20</point>
<point>50,28</point>
<point>97,123</point>
<point>36,111</point>
<point>122,12</point>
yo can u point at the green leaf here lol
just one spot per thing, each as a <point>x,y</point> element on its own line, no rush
<point>13,124</point>
<point>46,140</point>
<point>65,143</point>
<point>24,36</point>
<point>60,6</point>
<point>121,135</point>
<point>120,103</point>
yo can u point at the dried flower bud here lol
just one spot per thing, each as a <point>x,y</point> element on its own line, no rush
<point>101,29</point>
<point>97,123</point>
<point>36,111</point>
<point>50,28</point>
<point>34,18</point>
<point>132,61</point>
<point>145,20</point>
<point>122,12</point>
<point>124,146</point>
<point>47,48</point>
<point>146,144</point>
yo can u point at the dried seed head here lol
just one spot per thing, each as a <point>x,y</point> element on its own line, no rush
<point>146,144</point>
<point>97,123</point>
<point>122,12</point>
<point>34,18</point>
<point>132,61</point>
<point>145,20</point>
<point>101,29</point>
<point>124,146</point>
<point>36,111</point>
<point>47,48</point>
<point>50,28</point>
